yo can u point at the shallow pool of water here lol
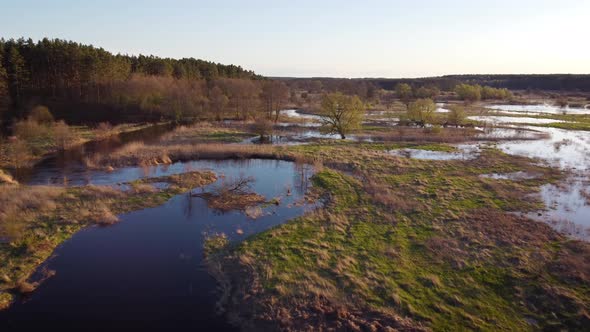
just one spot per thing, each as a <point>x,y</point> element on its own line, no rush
<point>568,206</point>
<point>569,150</point>
<point>502,133</point>
<point>494,119</point>
<point>566,149</point>
<point>511,176</point>
<point>541,108</point>
<point>147,271</point>
<point>441,108</point>
<point>464,152</point>
<point>300,115</point>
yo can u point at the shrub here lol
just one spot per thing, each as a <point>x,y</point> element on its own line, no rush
<point>63,136</point>
<point>470,93</point>
<point>427,92</point>
<point>404,92</point>
<point>18,153</point>
<point>41,115</point>
<point>456,115</point>
<point>263,127</point>
<point>30,130</point>
<point>104,129</point>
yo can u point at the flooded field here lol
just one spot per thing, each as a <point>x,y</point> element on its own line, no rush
<point>568,209</point>
<point>464,152</point>
<point>540,109</point>
<point>509,119</point>
<point>147,271</point>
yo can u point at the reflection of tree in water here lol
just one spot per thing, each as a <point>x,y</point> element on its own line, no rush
<point>303,173</point>
<point>187,206</point>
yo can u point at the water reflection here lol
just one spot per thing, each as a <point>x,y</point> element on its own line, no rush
<point>540,108</point>
<point>146,272</point>
<point>464,152</point>
<point>62,166</point>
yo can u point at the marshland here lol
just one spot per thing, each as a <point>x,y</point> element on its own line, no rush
<point>161,193</point>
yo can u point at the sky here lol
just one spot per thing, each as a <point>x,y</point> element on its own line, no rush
<point>371,38</point>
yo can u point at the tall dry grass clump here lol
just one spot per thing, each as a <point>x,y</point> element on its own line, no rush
<point>19,206</point>
<point>136,154</point>
<point>6,178</point>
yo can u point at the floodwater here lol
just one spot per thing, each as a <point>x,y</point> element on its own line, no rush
<point>511,119</point>
<point>441,108</point>
<point>70,161</point>
<point>568,203</point>
<point>568,208</point>
<point>464,152</point>
<point>566,149</point>
<point>541,108</point>
<point>515,133</point>
<point>147,272</point>
<point>521,175</point>
<point>300,115</point>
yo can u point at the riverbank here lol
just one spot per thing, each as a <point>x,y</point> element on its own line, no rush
<point>36,219</point>
<point>35,150</point>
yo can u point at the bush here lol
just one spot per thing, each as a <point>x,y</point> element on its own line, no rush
<point>63,136</point>
<point>427,92</point>
<point>30,130</point>
<point>41,115</point>
<point>263,127</point>
<point>404,92</point>
<point>470,93</point>
<point>104,129</point>
<point>19,153</point>
<point>456,115</point>
<point>493,93</point>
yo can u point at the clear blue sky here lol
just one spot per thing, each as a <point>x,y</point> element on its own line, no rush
<point>326,38</point>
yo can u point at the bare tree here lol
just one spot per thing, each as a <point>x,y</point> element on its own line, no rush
<point>275,94</point>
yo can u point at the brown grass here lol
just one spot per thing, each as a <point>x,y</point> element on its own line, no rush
<point>394,201</point>
<point>142,188</point>
<point>141,154</point>
<point>231,201</point>
<point>6,178</point>
<point>102,215</point>
<point>20,205</point>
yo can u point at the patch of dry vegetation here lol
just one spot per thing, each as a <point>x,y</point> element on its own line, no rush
<point>6,178</point>
<point>142,154</point>
<point>206,132</point>
<point>232,194</point>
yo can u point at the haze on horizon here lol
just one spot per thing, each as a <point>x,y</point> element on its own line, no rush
<point>326,38</point>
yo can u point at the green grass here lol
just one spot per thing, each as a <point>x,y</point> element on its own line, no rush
<point>379,255</point>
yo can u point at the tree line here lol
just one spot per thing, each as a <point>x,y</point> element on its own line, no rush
<point>360,86</point>
<point>76,80</point>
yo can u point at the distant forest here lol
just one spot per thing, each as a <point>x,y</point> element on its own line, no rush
<point>85,83</point>
<point>549,82</point>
